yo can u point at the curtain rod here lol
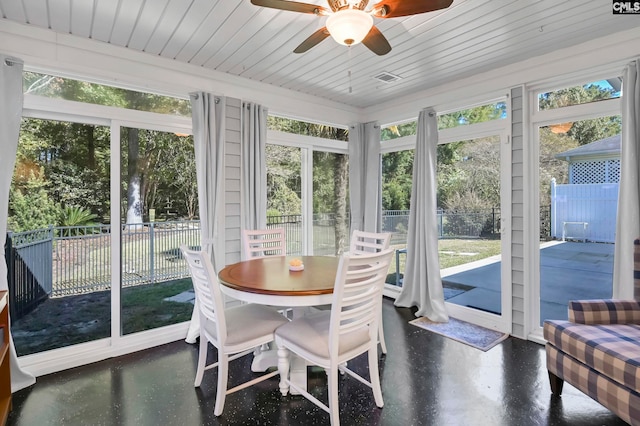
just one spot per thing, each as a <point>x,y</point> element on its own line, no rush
<point>197,95</point>
<point>12,61</point>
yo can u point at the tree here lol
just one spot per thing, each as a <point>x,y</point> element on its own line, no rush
<point>30,206</point>
<point>397,174</point>
<point>134,182</point>
<point>175,182</point>
<point>83,150</point>
<point>283,179</point>
<point>330,175</point>
<point>581,132</point>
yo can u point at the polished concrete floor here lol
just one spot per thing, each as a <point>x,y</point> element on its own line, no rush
<point>427,379</point>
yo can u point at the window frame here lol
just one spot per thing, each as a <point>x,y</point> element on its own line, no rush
<point>84,353</point>
<point>307,144</point>
<point>540,118</point>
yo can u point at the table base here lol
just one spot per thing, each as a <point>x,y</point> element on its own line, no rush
<point>268,358</point>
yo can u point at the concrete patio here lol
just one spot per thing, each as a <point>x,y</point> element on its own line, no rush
<point>568,270</point>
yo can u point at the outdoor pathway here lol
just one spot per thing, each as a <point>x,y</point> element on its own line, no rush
<point>568,271</point>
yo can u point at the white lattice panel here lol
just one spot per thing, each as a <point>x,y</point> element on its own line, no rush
<point>598,171</point>
<point>613,167</point>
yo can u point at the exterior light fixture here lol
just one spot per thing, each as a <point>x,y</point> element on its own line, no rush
<point>560,128</point>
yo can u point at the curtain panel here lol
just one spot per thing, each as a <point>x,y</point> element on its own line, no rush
<point>628,220</point>
<point>10,116</point>
<point>207,112</point>
<point>422,285</point>
<point>365,177</point>
<point>254,166</point>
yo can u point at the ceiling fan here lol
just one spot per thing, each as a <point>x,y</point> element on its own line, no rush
<point>349,22</point>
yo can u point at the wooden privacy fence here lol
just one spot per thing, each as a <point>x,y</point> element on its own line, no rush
<point>584,211</point>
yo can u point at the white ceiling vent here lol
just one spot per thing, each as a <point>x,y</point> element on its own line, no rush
<point>387,77</point>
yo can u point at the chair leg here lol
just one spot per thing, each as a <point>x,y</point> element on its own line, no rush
<point>383,345</point>
<point>223,375</point>
<point>556,384</point>
<point>202,360</point>
<point>283,369</point>
<point>374,376</point>
<point>334,408</point>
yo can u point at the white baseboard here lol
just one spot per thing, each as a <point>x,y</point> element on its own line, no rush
<point>86,353</point>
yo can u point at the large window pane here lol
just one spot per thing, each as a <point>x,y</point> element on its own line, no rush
<point>159,202</point>
<point>469,223</point>
<point>52,86</point>
<point>59,236</point>
<point>330,203</point>
<point>298,127</point>
<point>284,194</point>
<point>577,95</point>
<point>397,172</point>
<point>398,131</point>
<point>479,114</point>
<point>579,174</point>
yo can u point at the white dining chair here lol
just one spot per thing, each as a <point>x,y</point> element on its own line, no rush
<point>331,338</point>
<point>235,332</point>
<point>371,242</point>
<point>263,242</point>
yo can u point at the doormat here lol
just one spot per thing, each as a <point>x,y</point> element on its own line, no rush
<point>463,332</point>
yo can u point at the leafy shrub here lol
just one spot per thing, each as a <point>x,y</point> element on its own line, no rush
<point>30,206</point>
<point>76,217</point>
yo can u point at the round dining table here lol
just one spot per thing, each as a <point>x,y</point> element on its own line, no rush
<point>269,281</point>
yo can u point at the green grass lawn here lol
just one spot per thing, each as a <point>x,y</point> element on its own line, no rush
<point>65,321</point>
<point>452,252</point>
<point>458,252</point>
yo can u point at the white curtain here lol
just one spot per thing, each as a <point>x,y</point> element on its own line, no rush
<point>628,224</point>
<point>254,166</point>
<point>10,116</point>
<point>422,285</point>
<point>207,113</point>
<point>365,177</point>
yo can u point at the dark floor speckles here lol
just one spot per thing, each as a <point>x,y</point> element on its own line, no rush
<point>427,379</point>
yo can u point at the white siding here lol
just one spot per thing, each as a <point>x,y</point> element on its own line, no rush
<point>232,181</point>
<point>517,210</point>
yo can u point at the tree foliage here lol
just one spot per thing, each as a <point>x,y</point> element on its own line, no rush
<point>30,206</point>
<point>330,176</point>
<point>72,160</point>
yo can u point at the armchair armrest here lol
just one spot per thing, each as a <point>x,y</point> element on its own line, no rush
<point>604,311</point>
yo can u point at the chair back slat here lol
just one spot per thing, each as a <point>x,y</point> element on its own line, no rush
<point>263,242</point>
<point>357,294</point>
<point>207,290</point>
<point>369,242</point>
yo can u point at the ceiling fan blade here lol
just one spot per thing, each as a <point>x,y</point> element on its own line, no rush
<point>292,6</point>
<point>312,40</point>
<point>396,8</point>
<point>376,42</point>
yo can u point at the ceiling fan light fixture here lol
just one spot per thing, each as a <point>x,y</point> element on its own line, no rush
<point>349,26</point>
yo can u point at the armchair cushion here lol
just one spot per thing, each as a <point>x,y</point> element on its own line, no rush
<point>612,350</point>
<point>604,311</point>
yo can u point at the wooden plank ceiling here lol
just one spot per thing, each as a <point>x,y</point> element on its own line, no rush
<point>238,38</point>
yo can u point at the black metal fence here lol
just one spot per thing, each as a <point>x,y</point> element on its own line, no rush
<point>29,260</point>
<point>61,261</point>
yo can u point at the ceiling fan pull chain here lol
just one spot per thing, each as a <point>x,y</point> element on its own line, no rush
<point>349,72</point>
